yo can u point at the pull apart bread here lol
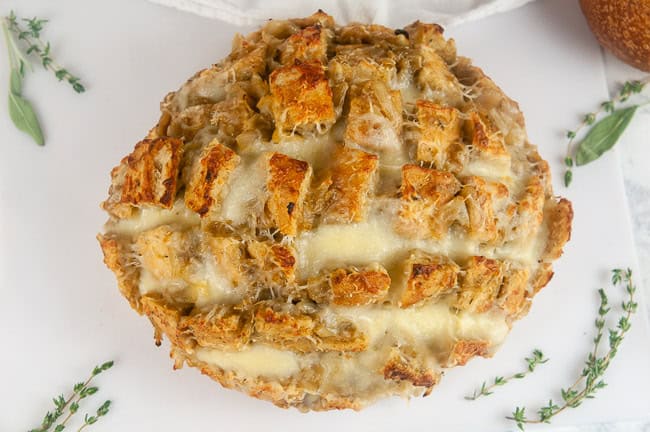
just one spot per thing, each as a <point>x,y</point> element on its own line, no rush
<point>332,215</point>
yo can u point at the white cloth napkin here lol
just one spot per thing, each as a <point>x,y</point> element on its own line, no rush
<point>392,13</point>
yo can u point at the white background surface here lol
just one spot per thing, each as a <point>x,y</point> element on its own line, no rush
<point>63,312</point>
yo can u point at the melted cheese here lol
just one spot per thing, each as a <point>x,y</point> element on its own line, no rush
<point>248,182</point>
<point>253,361</point>
<point>206,284</point>
<point>428,324</point>
<point>410,94</point>
<point>489,169</point>
<point>431,327</point>
<point>148,283</point>
<point>211,286</point>
<point>310,150</point>
<point>375,240</point>
<point>151,217</point>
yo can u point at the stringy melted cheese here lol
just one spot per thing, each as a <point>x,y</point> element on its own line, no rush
<point>430,327</point>
<point>253,361</point>
<point>151,217</point>
<point>375,240</point>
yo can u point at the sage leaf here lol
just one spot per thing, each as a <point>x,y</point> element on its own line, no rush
<point>16,82</point>
<point>24,117</point>
<point>603,135</point>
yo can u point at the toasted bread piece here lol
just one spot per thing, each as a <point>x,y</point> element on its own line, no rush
<point>287,183</point>
<point>435,79</point>
<point>164,317</point>
<point>512,294</point>
<point>424,194</point>
<point>148,176</point>
<point>274,264</point>
<point>161,252</point>
<point>402,368</point>
<point>542,277</point>
<point>464,350</point>
<point>375,117</point>
<point>289,328</point>
<point>478,199</point>
<point>486,143</point>
<point>228,255</point>
<point>308,44</point>
<point>559,227</point>
<point>188,122</point>
<point>480,284</point>
<point>301,99</point>
<point>440,128</point>
<point>427,278</point>
<point>225,328</point>
<point>208,178</point>
<point>348,185</point>
<point>351,287</point>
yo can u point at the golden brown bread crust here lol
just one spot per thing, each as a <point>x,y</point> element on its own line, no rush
<point>399,368</point>
<point>286,183</point>
<point>512,294</point>
<point>301,97</point>
<point>208,177</point>
<point>116,259</point>
<point>359,287</point>
<point>226,328</point>
<point>428,277</point>
<point>375,116</point>
<point>622,26</point>
<point>148,176</point>
<point>480,284</point>
<point>440,129</point>
<point>310,135</point>
<point>560,217</point>
<point>289,328</point>
<point>424,195</point>
<point>348,184</point>
<point>463,350</point>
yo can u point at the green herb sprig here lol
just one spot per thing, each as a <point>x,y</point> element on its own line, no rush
<point>80,391</point>
<point>533,361</point>
<point>21,111</point>
<point>603,134</point>
<point>31,36</point>
<point>591,378</point>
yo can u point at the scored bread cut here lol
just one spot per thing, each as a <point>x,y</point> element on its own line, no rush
<point>333,215</point>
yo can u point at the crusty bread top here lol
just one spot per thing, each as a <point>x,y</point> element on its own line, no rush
<point>334,214</point>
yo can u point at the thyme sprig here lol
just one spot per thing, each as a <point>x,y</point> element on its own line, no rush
<point>628,89</point>
<point>31,36</point>
<point>533,361</point>
<point>101,412</point>
<point>80,391</point>
<point>21,111</point>
<point>591,379</point>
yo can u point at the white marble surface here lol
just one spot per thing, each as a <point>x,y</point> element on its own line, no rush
<point>634,155</point>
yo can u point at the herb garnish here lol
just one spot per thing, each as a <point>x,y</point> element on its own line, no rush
<point>533,361</point>
<point>80,391</point>
<point>604,134</point>
<point>591,378</point>
<point>21,110</point>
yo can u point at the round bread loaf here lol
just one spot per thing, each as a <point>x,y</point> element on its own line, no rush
<point>334,214</point>
<point>623,27</point>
